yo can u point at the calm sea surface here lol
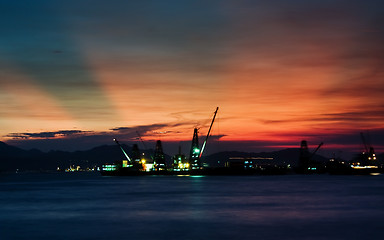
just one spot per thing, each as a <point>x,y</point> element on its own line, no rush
<point>89,206</point>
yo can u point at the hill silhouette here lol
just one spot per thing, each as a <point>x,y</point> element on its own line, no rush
<point>13,158</point>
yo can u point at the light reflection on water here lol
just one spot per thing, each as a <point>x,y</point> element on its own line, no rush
<point>88,206</point>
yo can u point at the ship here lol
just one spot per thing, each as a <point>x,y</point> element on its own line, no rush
<point>365,163</point>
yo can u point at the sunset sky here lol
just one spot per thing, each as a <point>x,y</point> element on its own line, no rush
<point>75,74</point>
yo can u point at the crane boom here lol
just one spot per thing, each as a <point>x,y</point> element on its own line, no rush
<point>206,138</point>
<point>318,147</point>
<point>122,149</point>
<point>364,142</point>
<point>141,140</point>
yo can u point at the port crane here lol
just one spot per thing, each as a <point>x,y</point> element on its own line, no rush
<point>367,145</point>
<point>196,152</point>
<point>306,164</point>
<point>369,150</point>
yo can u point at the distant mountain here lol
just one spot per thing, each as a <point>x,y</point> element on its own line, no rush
<point>12,158</point>
<point>380,157</point>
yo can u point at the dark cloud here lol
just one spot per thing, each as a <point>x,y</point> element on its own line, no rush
<point>149,129</point>
<point>122,129</point>
<point>144,129</point>
<point>60,133</point>
<point>80,139</point>
<point>216,137</point>
<point>342,144</point>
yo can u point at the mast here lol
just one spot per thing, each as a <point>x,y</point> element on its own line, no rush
<point>194,160</point>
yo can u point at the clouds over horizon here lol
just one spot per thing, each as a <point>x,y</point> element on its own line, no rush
<point>343,144</point>
<point>277,69</point>
<point>47,135</point>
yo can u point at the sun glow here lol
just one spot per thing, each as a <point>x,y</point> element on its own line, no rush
<point>279,75</point>
<point>29,107</point>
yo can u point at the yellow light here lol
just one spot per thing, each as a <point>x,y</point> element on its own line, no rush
<point>364,167</point>
<point>125,163</point>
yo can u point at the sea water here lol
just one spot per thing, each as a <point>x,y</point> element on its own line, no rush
<point>89,206</point>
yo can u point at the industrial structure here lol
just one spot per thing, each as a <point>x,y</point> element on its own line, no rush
<point>159,158</point>
<point>194,153</point>
<point>136,164</point>
<point>368,155</point>
<point>363,164</point>
<point>366,161</point>
<point>306,163</point>
<point>180,162</point>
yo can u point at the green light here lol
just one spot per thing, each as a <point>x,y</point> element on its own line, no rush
<point>109,168</point>
<point>197,150</point>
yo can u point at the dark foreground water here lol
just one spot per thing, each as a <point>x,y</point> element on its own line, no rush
<point>88,206</point>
